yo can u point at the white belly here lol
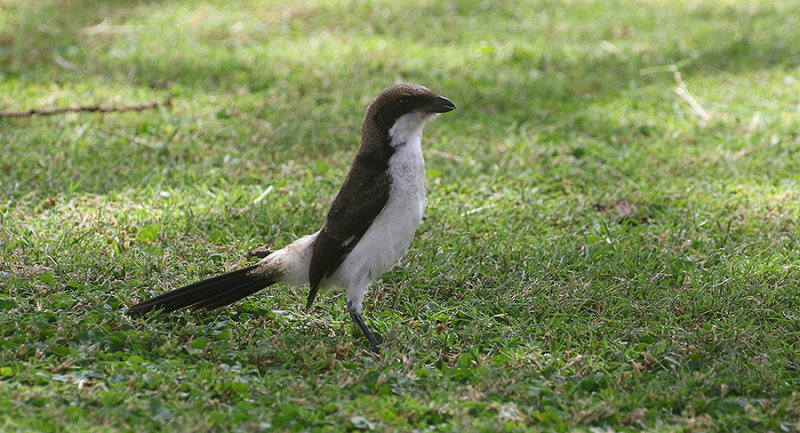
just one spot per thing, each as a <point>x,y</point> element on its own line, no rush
<point>387,239</point>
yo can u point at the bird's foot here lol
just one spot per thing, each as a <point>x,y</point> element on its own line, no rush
<point>373,342</point>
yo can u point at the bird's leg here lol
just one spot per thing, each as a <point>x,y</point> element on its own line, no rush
<point>355,309</point>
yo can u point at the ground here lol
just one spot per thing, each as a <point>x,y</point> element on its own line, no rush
<point>610,244</point>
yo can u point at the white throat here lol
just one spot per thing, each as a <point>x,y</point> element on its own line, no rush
<point>407,128</point>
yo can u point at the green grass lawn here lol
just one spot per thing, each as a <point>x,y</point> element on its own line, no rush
<point>526,302</point>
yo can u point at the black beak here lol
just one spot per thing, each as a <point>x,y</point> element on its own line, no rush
<point>440,104</point>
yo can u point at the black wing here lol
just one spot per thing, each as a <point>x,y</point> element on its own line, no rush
<point>362,197</point>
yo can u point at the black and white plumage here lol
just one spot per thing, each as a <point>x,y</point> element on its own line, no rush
<point>369,225</point>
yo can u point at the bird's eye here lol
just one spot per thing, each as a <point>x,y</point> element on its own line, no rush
<point>404,100</point>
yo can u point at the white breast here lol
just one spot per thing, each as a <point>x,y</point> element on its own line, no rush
<point>388,238</point>
<point>389,235</point>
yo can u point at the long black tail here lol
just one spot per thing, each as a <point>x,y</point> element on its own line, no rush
<point>212,293</point>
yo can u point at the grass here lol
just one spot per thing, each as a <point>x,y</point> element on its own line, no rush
<point>521,306</point>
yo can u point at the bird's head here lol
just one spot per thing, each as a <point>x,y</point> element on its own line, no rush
<point>402,110</point>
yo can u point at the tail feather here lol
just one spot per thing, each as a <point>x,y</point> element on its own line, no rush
<point>212,293</point>
<point>233,294</point>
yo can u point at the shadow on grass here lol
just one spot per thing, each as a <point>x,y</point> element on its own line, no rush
<point>518,81</point>
<point>493,84</point>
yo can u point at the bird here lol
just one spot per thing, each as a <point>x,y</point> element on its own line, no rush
<point>368,228</point>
